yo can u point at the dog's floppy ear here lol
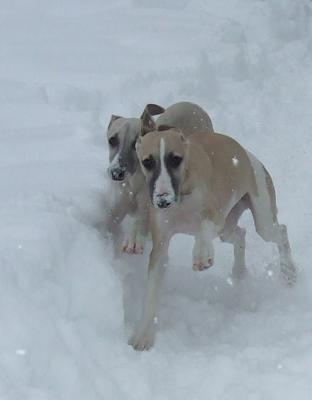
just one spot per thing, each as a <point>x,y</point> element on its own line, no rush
<point>154,109</point>
<point>148,124</point>
<point>113,118</point>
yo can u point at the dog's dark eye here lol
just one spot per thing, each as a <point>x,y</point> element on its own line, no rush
<point>149,163</point>
<point>133,145</point>
<point>175,160</point>
<point>113,141</point>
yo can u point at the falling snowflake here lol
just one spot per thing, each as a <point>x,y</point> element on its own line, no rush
<point>230,281</point>
<point>235,161</point>
<point>20,352</point>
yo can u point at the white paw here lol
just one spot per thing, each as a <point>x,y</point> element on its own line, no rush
<point>142,339</point>
<point>202,264</point>
<point>132,248</point>
<point>133,244</point>
<point>203,255</point>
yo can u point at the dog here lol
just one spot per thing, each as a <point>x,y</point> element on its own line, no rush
<point>200,186</point>
<point>130,194</point>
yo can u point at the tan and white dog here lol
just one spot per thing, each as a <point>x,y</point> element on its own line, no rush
<point>200,186</point>
<point>130,194</point>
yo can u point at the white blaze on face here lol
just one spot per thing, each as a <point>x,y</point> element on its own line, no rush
<point>163,186</point>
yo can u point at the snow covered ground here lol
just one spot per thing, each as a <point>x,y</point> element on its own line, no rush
<point>66,305</point>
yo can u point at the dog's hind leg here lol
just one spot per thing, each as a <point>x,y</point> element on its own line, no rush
<point>272,231</point>
<point>264,211</point>
<point>237,239</point>
<point>288,269</point>
<point>234,234</point>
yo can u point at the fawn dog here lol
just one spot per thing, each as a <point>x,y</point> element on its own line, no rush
<point>201,185</point>
<point>130,194</point>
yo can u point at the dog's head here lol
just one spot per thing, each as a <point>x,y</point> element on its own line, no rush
<point>122,134</point>
<point>162,155</point>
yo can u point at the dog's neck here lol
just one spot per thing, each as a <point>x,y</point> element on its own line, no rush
<point>198,178</point>
<point>195,161</point>
<point>136,181</point>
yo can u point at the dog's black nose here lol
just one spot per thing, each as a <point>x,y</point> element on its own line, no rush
<point>163,204</point>
<point>118,174</point>
<point>162,201</point>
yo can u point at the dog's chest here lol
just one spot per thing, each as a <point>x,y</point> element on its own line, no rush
<point>185,217</point>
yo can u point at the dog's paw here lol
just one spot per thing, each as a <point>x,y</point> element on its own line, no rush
<point>201,265</point>
<point>133,245</point>
<point>203,254</point>
<point>132,248</point>
<point>142,340</point>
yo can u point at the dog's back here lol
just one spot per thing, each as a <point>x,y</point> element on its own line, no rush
<point>186,116</point>
<point>231,169</point>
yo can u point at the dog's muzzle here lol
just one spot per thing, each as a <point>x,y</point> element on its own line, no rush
<point>117,173</point>
<point>163,200</point>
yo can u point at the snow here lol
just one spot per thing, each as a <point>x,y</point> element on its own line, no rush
<point>67,305</point>
<point>235,161</point>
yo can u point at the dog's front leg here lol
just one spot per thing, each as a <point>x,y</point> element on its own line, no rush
<point>203,251</point>
<point>144,334</point>
<point>118,208</point>
<point>133,241</point>
<point>113,222</point>
<point>138,228</point>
